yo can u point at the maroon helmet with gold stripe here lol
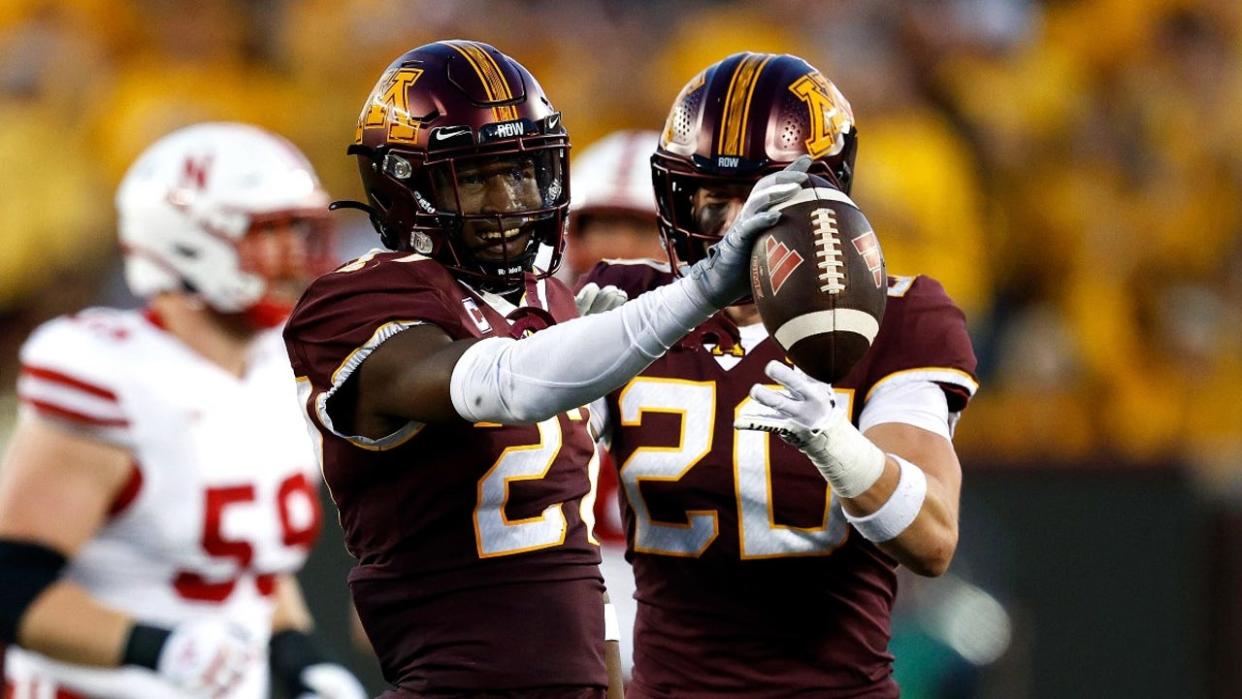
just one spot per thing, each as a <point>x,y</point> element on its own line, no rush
<point>441,111</point>
<point>739,119</point>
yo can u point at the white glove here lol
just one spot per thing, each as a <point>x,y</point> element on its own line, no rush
<point>208,657</point>
<point>724,275</point>
<point>592,299</point>
<point>330,681</point>
<point>806,416</point>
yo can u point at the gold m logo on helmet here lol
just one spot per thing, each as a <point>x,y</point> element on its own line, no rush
<point>830,113</point>
<point>389,107</point>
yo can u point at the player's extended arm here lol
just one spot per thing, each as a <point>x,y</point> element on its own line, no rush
<point>569,364</point>
<point>899,484</point>
<point>302,668</point>
<point>55,491</point>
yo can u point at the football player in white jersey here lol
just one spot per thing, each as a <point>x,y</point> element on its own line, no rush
<point>157,496</point>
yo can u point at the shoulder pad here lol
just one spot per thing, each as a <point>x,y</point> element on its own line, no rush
<point>74,370</point>
<point>924,338</point>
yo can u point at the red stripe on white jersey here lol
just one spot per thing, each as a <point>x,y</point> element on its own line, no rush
<point>73,415</point>
<point>128,493</point>
<point>67,380</point>
<point>70,401</point>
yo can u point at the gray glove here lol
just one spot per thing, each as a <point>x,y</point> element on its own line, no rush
<point>592,299</point>
<point>724,275</point>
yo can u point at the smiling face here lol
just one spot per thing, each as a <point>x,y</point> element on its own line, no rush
<point>504,188</point>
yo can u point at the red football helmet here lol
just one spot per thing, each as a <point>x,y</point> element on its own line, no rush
<point>464,159</point>
<point>738,120</point>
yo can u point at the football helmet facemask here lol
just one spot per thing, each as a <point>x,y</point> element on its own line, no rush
<point>748,115</point>
<point>465,160</point>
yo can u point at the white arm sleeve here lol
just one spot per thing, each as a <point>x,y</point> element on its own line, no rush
<point>601,422</point>
<point>919,403</point>
<point>573,363</point>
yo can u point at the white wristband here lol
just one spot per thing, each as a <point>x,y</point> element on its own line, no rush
<point>612,628</point>
<point>901,509</point>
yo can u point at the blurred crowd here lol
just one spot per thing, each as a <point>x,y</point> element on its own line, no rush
<point>1072,171</point>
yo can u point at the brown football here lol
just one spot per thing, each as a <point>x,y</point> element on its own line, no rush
<point>819,281</point>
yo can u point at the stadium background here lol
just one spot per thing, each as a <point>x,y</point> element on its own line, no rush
<point>1072,172</point>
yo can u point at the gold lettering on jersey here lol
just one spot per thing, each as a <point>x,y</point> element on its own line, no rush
<point>497,535</point>
<point>694,402</point>
<point>734,350</point>
<point>830,113</point>
<point>389,107</point>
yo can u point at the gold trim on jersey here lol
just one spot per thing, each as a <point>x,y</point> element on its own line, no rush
<point>690,464</point>
<point>490,75</point>
<point>586,508</point>
<point>342,373</point>
<point>950,375</point>
<point>736,115</point>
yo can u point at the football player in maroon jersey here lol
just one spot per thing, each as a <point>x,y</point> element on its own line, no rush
<point>446,379</point>
<point>754,576</point>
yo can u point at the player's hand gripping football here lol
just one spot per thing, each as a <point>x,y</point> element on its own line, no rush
<point>723,276</point>
<point>806,416</point>
<point>330,681</point>
<point>208,657</point>
<point>591,299</point>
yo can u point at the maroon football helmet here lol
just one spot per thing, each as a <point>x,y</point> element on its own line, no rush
<point>738,120</point>
<point>448,126</point>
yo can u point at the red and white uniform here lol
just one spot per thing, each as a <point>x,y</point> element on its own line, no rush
<point>220,499</point>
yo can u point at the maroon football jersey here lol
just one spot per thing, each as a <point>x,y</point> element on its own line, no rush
<point>749,580</point>
<point>476,569</point>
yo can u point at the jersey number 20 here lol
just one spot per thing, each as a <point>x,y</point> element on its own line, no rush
<point>759,535</point>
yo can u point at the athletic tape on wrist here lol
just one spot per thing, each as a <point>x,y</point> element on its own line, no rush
<point>612,627</point>
<point>851,462</point>
<point>900,511</point>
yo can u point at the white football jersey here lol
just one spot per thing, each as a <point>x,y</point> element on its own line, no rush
<point>222,495</point>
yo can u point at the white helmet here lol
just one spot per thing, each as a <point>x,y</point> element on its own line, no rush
<point>192,196</point>
<point>613,175</point>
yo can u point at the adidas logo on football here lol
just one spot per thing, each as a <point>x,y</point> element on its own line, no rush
<point>781,263</point>
<point>869,248</point>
